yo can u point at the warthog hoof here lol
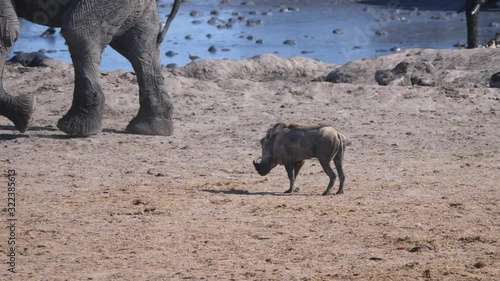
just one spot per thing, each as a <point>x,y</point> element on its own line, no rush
<point>292,191</point>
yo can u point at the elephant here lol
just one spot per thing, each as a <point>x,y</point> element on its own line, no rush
<point>131,27</point>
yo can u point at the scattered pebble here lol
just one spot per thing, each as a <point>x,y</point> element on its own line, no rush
<point>196,13</point>
<point>395,49</point>
<point>170,54</point>
<point>260,41</point>
<point>290,42</point>
<point>338,31</point>
<point>188,37</point>
<point>212,49</point>
<point>214,20</point>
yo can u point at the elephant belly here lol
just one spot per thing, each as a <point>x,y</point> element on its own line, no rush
<point>46,12</point>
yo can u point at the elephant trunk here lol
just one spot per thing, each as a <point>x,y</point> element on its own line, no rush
<point>9,25</point>
<point>9,31</point>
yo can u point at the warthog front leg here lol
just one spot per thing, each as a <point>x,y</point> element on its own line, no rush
<point>291,176</point>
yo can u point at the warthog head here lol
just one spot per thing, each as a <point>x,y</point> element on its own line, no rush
<point>267,162</point>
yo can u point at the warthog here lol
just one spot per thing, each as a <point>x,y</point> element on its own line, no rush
<point>290,145</point>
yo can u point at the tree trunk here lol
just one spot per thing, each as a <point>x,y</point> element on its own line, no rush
<point>472,16</point>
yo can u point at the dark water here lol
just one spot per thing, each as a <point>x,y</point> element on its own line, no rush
<point>399,24</point>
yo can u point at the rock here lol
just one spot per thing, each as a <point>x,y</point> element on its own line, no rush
<point>338,31</point>
<point>170,54</point>
<point>338,76</point>
<point>260,68</point>
<point>495,80</point>
<point>49,32</point>
<point>381,33</point>
<point>214,20</point>
<point>290,42</point>
<point>408,73</point>
<point>34,59</point>
<point>395,49</point>
<point>188,37</point>
<point>260,41</point>
<point>196,13</point>
<point>212,49</point>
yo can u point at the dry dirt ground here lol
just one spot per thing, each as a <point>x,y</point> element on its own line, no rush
<point>421,199</point>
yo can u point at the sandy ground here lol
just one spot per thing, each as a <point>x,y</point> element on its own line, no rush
<point>420,202</point>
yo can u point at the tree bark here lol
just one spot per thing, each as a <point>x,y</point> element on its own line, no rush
<point>472,16</point>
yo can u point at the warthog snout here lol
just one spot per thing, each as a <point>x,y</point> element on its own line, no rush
<point>263,167</point>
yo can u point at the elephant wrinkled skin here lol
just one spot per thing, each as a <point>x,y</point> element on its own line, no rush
<point>130,27</point>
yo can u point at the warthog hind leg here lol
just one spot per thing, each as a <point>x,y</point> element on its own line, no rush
<point>325,163</point>
<point>338,164</point>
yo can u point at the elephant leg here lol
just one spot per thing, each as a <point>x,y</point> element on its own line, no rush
<point>88,27</point>
<point>84,118</point>
<point>138,45</point>
<point>18,109</point>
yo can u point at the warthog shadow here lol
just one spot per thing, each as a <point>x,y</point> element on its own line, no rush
<point>246,192</point>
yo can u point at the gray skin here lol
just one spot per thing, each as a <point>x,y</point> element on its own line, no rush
<point>88,26</point>
<point>290,145</point>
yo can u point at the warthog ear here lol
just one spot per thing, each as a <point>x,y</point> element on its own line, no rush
<point>278,127</point>
<point>270,141</point>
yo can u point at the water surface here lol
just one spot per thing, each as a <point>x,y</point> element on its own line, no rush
<point>399,24</point>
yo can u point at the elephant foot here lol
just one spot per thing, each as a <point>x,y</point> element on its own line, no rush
<point>159,126</point>
<point>81,122</point>
<point>22,111</point>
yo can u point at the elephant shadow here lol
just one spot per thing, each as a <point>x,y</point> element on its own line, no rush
<point>36,132</point>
